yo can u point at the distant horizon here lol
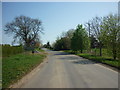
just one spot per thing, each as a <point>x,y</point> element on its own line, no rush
<point>57,17</point>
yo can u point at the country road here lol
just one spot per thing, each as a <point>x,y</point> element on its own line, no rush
<point>70,71</point>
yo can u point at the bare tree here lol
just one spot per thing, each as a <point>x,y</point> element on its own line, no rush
<point>95,26</point>
<point>88,28</point>
<point>25,29</point>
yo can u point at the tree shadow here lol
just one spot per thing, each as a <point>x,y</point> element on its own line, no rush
<point>83,62</point>
<point>69,58</point>
<point>62,53</point>
<point>78,60</point>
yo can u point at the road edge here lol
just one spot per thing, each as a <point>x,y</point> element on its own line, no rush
<point>104,64</point>
<point>100,63</point>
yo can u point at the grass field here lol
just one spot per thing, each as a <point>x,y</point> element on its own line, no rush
<point>16,66</point>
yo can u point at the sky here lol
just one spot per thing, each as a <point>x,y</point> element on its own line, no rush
<point>56,17</point>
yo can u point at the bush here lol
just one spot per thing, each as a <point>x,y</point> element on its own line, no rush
<point>8,50</point>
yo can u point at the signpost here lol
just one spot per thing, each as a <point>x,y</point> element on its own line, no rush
<point>95,44</point>
<point>33,46</point>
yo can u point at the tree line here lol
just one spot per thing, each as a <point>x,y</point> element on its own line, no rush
<point>99,32</point>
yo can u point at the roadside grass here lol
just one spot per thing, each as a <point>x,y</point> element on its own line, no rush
<point>40,50</point>
<point>105,53</point>
<point>16,66</point>
<point>106,59</point>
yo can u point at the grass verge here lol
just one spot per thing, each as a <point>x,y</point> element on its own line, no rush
<point>104,60</point>
<point>15,67</point>
<point>40,50</point>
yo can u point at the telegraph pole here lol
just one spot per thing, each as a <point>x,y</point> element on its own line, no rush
<point>89,28</point>
<point>89,35</point>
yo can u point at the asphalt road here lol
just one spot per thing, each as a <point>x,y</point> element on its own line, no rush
<point>70,71</point>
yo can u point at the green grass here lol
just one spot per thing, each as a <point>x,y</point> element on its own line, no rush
<point>105,52</point>
<point>106,58</point>
<point>16,66</point>
<point>40,50</point>
<point>101,59</point>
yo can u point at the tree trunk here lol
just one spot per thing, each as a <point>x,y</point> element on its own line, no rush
<point>114,54</point>
<point>81,51</point>
<point>100,49</point>
<point>27,45</point>
<point>114,51</point>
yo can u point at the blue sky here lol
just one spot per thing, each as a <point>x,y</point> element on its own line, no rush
<point>56,16</point>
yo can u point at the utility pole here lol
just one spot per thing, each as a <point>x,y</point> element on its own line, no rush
<point>89,28</point>
<point>89,35</point>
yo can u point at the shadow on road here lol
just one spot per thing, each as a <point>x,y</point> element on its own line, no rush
<point>77,60</point>
<point>74,59</point>
<point>61,53</point>
<point>84,62</point>
<point>69,58</point>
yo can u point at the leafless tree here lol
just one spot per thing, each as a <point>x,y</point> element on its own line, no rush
<point>94,28</point>
<point>25,29</point>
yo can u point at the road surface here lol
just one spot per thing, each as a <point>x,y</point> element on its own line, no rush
<point>70,71</point>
